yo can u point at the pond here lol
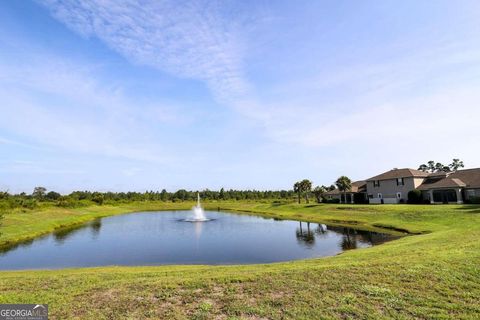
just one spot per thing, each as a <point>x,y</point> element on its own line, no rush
<point>157,238</point>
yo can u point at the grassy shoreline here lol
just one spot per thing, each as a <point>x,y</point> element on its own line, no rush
<point>432,275</point>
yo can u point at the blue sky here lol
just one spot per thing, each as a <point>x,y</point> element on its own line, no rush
<point>145,95</point>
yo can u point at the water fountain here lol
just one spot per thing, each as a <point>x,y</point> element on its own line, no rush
<point>198,213</point>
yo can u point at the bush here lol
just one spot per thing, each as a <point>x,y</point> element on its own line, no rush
<point>98,198</point>
<point>67,202</point>
<point>29,203</point>
<point>415,197</point>
<point>52,195</point>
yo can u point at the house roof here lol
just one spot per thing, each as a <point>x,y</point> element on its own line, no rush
<point>357,186</point>
<point>443,183</point>
<point>399,173</point>
<point>469,178</point>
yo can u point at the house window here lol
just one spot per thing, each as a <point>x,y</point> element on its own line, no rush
<point>399,195</point>
<point>376,183</point>
<point>400,182</point>
<point>370,196</point>
<point>380,195</point>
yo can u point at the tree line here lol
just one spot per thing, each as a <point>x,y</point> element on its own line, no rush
<point>302,189</point>
<point>77,198</point>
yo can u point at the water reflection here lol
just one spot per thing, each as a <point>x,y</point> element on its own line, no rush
<point>59,236</point>
<point>305,236</point>
<point>95,227</point>
<point>65,233</point>
<point>23,244</point>
<point>198,229</point>
<point>350,238</point>
<point>321,231</point>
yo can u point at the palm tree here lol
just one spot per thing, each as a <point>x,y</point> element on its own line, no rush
<point>297,188</point>
<point>344,184</point>
<point>302,187</point>
<point>456,164</point>
<point>319,191</point>
<point>306,186</point>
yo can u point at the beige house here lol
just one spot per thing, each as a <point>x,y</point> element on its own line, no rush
<point>461,186</point>
<point>439,187</point>
<point>393,186</point>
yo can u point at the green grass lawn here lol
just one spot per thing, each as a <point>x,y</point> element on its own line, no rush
<point>434,274</point>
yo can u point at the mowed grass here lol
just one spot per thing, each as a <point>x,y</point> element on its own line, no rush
<point>434,274</point>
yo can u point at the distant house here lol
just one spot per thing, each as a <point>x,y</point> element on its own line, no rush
<point>439,187</point>
<point>393,186</point>
<point>357,194</point>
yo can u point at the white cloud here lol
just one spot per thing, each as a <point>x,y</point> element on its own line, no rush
<point>189,39</point>
<point>195,39</point>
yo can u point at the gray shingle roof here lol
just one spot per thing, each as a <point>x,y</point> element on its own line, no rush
<point>399,173</point>
<point>469,178</point>
<point>443,183</point>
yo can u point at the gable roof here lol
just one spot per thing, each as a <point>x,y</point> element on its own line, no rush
<point>469,178</point>
<point>443,183</point>
<point>399,173</point>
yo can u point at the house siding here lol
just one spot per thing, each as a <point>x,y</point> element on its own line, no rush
<point>389,190</point>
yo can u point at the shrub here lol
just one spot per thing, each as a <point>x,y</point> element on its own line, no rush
<point>52,195</point>
<point>66,202</point>
<point>29,203</point>
<point>415,197</point>
<point>98,198</point>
